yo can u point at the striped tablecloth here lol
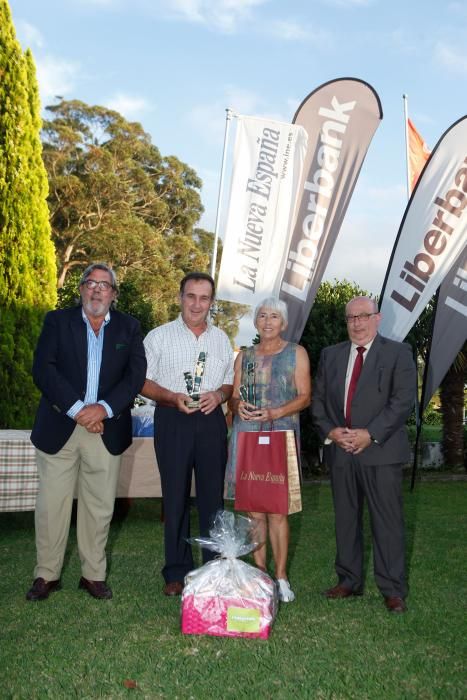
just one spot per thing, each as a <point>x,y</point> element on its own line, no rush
<point>18,472</point>
<point>19,482</point>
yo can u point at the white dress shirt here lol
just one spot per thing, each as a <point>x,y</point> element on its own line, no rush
<point>173,349</point>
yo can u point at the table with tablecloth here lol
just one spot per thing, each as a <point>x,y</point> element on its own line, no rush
<point>19,481</point>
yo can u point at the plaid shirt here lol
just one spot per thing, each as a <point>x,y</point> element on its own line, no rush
<point>173,349</point>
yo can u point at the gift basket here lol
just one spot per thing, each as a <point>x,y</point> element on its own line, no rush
<point>227,597</point>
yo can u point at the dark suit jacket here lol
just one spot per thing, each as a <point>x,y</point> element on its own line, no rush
<point>382,402</point>
<point>60,372</point>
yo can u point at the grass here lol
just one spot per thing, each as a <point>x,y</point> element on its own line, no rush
<point>72,646</point>
<point>430,433</point>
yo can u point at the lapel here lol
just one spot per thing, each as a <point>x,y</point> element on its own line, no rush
<point>342,361</point>
<point>80,341</point>
<point>110,343</point>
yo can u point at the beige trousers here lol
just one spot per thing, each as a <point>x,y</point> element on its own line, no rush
<point>85,463</point>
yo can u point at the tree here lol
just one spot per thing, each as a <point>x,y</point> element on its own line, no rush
<point>326,324</point>
<point>113,197</point>
<point>27,260</point>
<point>451,391</point>
<point>452,395</point>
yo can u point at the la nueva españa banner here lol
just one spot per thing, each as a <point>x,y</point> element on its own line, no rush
<point>267,168</point>
<point>340,118</point>
<point>431,236</point>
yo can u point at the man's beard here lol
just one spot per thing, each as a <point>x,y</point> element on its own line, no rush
<point>95,307</point>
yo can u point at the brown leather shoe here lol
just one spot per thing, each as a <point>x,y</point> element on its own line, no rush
<point>41,588</point>
<point>340,591</point>
<point>98,589</point>
<point>395,604</point>
<point>173,588</point>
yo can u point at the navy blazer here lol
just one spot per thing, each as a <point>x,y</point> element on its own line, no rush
<point>60,372</point>
<point>382,402</point>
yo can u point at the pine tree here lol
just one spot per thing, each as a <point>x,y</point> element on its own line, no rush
<point>27,259</point>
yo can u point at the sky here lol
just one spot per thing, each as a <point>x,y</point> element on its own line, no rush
<point>177,65</point>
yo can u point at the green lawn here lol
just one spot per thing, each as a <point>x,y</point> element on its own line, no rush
<point>74,646</point>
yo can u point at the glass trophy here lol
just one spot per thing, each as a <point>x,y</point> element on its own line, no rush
<point>193,381</point>
<point>248,390</point>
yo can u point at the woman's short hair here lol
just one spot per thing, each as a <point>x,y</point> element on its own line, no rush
<point>276,305</point>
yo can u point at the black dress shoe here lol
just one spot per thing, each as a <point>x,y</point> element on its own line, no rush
<point>340,591</point>
<point>98,589</point>
<point>41,588</point>
<point>173,588</point>
<point>395,604</point>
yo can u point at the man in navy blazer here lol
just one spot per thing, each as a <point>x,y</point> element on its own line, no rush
<point>89,364</point>
<point>361,421</point>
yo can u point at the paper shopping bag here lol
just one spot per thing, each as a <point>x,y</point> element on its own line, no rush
<point>267,478</point>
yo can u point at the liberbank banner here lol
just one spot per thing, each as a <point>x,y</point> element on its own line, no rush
<point>450,327</point>
<point>267,169</point>
<point>340,118</point>
<point>432,234</point>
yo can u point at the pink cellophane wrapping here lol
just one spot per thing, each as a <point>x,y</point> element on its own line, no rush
<point>222,584</point>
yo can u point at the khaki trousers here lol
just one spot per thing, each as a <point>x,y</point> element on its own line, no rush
<point>84,462</point>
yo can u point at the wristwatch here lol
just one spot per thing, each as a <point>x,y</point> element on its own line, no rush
<point>219,391</point>
<point>374,440</point>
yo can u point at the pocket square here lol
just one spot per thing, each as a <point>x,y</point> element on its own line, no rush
<point>120,346</point>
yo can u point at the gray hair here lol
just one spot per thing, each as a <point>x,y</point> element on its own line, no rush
<point>373,302</point>
<point>276,305</point>
<point>99,266</point>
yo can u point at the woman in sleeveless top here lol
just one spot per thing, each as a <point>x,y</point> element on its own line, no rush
<point>283,388</point>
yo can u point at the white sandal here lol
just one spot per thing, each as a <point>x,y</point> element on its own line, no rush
<point>285,593</point>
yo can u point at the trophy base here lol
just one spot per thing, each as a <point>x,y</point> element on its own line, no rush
<point>194,403</point>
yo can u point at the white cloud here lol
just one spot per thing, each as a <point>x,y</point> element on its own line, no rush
<point>130,106</point>
<point>29,35</point>
<point>451,58</point>
<point>292,30</point>
<point>100,3</point>
<point>349,3</point>
<point>56,77</point>
<point>223,15</point>
<point>357,261</point>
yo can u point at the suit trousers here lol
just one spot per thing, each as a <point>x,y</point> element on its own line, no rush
<point>184,443</point>
<point>382,487</point>
<point>83,461</point>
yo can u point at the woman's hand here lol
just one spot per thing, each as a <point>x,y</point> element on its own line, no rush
<point>246,410</point>
<point>263,414</point>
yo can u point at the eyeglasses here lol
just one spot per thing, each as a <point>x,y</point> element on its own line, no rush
<point>360,317</point>
<point>102,285</point>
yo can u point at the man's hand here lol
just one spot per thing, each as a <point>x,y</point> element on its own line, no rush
<point>96,427</point>
<point>343,438</point>
<point>210,401</point>
<point>90,415</point>
<point>181,401</point>
<point>360,440</point>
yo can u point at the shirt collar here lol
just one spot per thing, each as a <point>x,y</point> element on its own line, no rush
<point>209,324</point>
<point>86,320</point>
<point>367,346</point>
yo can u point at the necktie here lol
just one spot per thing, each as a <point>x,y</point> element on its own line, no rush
<point>357,368</point>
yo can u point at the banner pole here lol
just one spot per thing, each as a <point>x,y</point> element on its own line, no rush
<point>228,116</point>
<point>418,424</point>
<point>406,130</point>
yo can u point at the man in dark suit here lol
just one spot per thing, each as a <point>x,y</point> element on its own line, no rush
<point>364,392</point>
<point>89,365</point>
